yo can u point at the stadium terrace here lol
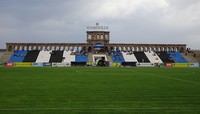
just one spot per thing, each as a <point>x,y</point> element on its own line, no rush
<point>98,51</point>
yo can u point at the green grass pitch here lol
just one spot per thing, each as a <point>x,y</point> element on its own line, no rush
<point>99,90</point>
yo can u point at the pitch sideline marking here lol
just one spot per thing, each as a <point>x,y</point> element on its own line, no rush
<point>175,78</point>
<point>181,80</point>
<point>32,109</point>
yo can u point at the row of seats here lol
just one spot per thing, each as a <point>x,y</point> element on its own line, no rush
<point>56,56</point>
<point>117,57</point>
<point>81,56</point>
<point>48,56</point>
<point>148,57</point>
<point>129,57</point>
<point>44,56</point>
<point>141,57</point>
<point>153,57</point>
<point>177,57</point>
<point>18,56</point>
<point>165,57</point>
<point>68,57</point>
<point>31,56</point>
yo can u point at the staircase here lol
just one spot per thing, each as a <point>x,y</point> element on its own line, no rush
<point>90,57</point>
<point>109,57</point>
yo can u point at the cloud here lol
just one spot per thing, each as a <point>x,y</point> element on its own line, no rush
<point>182,17</point>
<point>130,21</point>
<point>114,9</point>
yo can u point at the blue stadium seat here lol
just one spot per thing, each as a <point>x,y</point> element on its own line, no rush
<point>81,56</point>
<point>18,56</point>
<point>177,57</point>
<point>117,57</point>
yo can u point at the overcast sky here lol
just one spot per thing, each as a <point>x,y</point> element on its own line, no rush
<point>129,21</point>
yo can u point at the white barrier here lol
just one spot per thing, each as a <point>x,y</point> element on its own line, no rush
<point>54,64</point>
<point>145,65</point>
<point>193,64</point>
<point>47,64</point>
<point>37,64</point>
<point>61,64</point>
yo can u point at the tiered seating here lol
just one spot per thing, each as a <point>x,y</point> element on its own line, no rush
<point>177,57</point>
<point>129,57</point>
<point>189,58</point>
<point>153,57</point>
<point>196,55</point>
<point>165,57</point>
<point>43,56</point>
<point>17,56</point>
<point>1,54</point>
<point>117,57</point>
<point>141,57</point>
<point>68,57</point>
<point>5,56</point>
<point>31,56</point>
<point>56,56</point>
<point>81,56</point>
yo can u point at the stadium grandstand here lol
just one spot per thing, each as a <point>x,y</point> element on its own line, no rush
<point>98,51</point>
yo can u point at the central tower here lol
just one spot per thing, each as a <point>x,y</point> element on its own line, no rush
<point>98,38</point>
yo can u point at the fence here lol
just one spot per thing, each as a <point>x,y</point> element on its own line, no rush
<point>37,64</point>
<point>1,64</point>
<point>168,64</point>
<point>193,64</point>
<point>145,65</point>
<point>180,65</point>
<point>22,64</point>
<point>116,64</point>
<point>9,64</point>
<point>60,64</point>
